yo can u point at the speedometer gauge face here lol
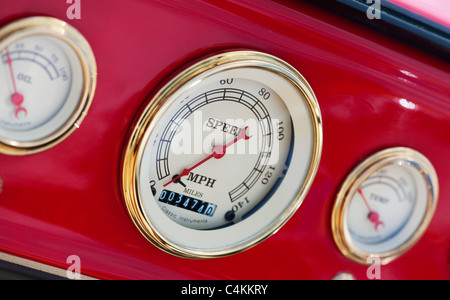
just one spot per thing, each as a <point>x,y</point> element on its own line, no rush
<point>223,155</point>
<point>47,80</point>
<point>385,205</point>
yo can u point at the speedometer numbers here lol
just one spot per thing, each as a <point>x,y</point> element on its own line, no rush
<point>222,155</point>
<point>385,205</point>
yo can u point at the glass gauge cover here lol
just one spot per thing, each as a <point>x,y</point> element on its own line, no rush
<point>47,81</point>
<point>385,205</point>
<point>223,155</point>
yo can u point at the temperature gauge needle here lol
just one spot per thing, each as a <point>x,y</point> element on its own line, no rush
<point>374,217</point>
<point>17,98</point>
<point>218,153</point>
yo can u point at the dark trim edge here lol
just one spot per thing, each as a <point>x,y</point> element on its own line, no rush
<point>397,22</point>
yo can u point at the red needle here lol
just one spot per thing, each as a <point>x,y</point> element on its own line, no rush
<point>374,217</point>
<point>17,98</point>
<point>218,153</point>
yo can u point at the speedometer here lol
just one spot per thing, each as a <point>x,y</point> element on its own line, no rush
<point>223,155</point>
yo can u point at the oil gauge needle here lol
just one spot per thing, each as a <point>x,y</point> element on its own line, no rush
<point>218,153</point>
<point>17,98</point>
<point>373,216</point>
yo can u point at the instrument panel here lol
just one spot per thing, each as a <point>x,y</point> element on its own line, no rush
<point>201,138</point>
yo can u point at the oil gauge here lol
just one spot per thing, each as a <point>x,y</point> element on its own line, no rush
<point>47,81</point>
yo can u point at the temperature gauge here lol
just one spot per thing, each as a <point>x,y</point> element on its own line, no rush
<point>47,81</point>
<point>385,205</point>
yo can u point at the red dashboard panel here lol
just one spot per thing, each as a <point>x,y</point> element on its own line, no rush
<point>374,93</point>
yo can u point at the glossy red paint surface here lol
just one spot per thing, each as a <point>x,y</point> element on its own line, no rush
<point>67,200</point>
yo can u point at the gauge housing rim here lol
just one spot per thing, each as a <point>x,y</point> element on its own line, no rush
<point>73,39</point>
<point>397,155</point>
<point>140,135</point>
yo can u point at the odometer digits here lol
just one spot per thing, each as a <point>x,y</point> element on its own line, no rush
<point>184,202</point>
